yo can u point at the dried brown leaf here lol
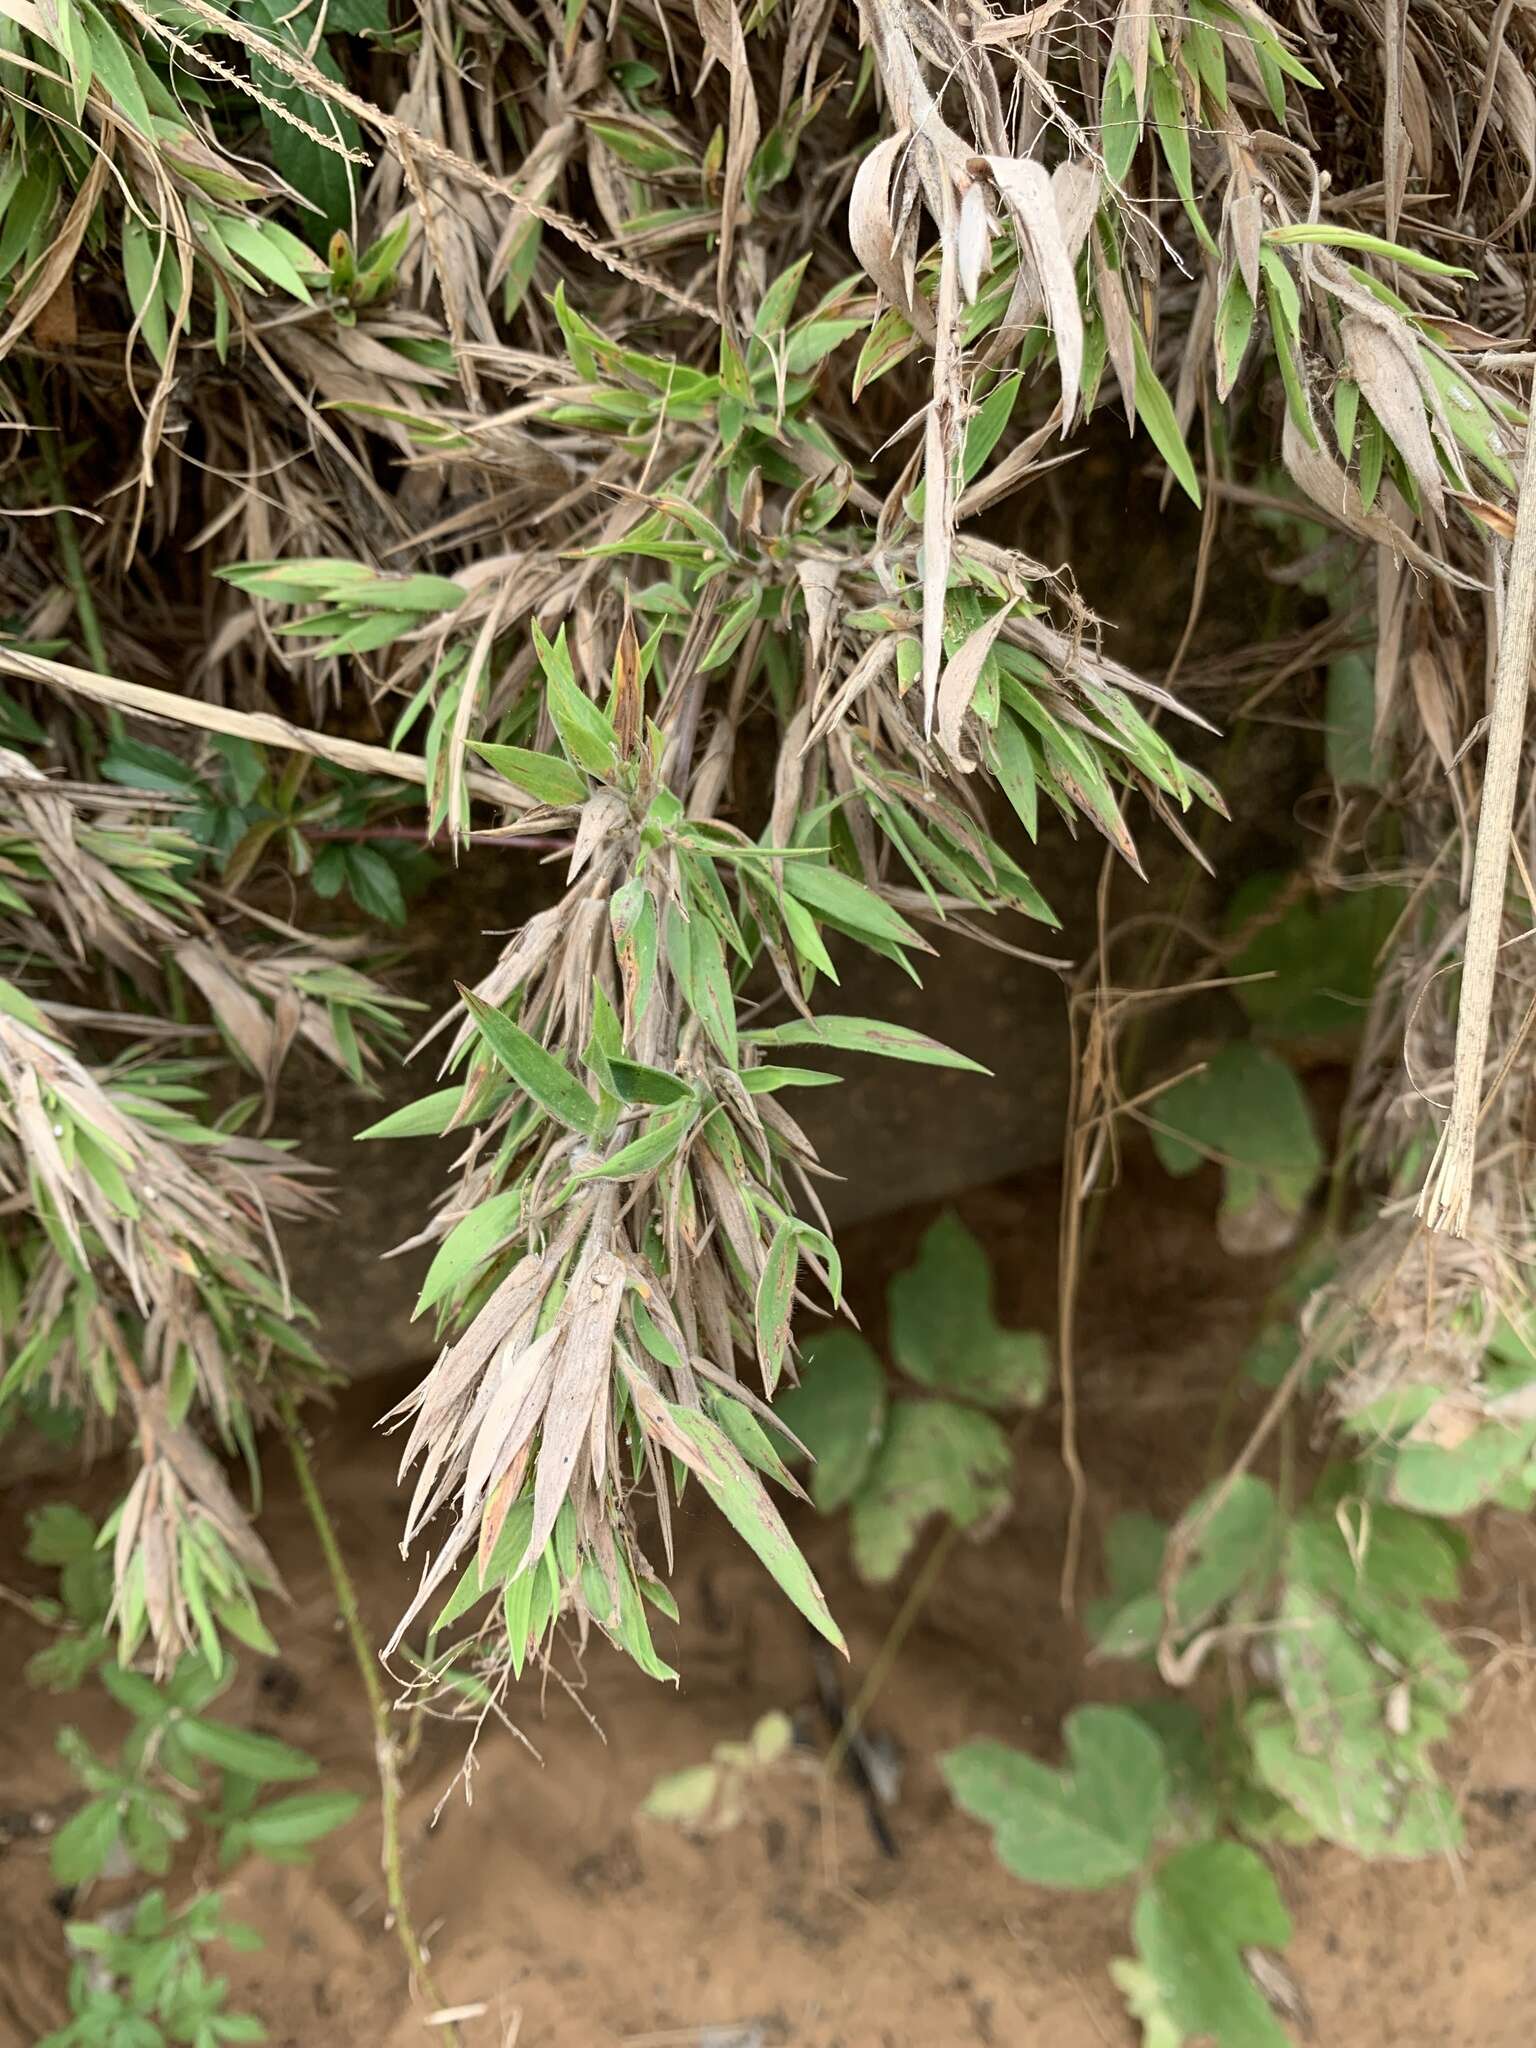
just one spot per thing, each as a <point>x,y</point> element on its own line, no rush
<point>1389,382</point>
<point>957,687</point>
<point>1032,200</point>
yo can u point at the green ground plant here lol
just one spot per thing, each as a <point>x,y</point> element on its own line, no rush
<point>896,1461</point>
<point>621,435</point>
<point>1320,1608</point>
<point>139,1978</point>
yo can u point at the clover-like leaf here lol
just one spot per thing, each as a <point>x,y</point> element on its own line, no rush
<point>1194,1918</point>
<point>935,1458</point>
<point>1352,1782</point>
<point>84,1845</point>
<point>1081,1828</point>
<point>1233,1550</point>
<point>1367,1682</point>
<point>1453,1479</point>
<point>1381,1576</point>
<point>59,1534</point>
<point>838,1413</point>
<point>1245,1109</point>
<point>945,1335</point>
<point>1320,955</point>
<point>684,1796</point>
<point>1143,2001</point>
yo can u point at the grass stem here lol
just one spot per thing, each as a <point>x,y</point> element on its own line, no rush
<point>67,532</point>
<point>386,1755</point>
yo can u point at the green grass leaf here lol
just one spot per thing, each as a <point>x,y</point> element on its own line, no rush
<point>652,1148</point>
<point>774,1302</point>
<point>1372,245</point>
<point>848,905</point>
<point>750,1437</point>
<point>623,1621</point>
<point>544,777</point>
<point>537,1072</point>
<point>427,1118</point>
<point>1171,118</point>
<point>891,340</point>
<point>1284,302</point>
<point>810,344</point>
<point>1011,758</point>
<point>985,427</point>
<point>262,247</point>
<point>636,1082</point>
<point>767,1080</point>
<point>287,1826</point>
<point>586,733</point>
<point>1472,422</point>
<point>1349,716</point>
<point>779,300</point>
<point>697,959</point>
<point>420,593</point>
<point>1154,411</point>
<point>112,68</point>
<point>1373,456</point>
<point>1234,327</point>
<point>1346,415</point>
<point>865,1034</point>
<point>474,1584</point>
<point>740,1496</point>
<point>245,1753</point>
<point>142,251</point>
<point>1121,129</point>
<point>472,1240</point>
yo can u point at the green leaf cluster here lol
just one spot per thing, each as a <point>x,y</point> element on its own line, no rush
<point>712,1798</point>
<point>895,1462</point>
<point>146,1983</point>
<point>1363,1681</point>
<point>1106,1819</point>
<point>177,1761</point>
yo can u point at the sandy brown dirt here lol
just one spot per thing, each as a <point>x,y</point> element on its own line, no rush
<point>577,1924</point>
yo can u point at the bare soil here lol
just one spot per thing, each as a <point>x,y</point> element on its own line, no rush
<point>575,1923</point>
